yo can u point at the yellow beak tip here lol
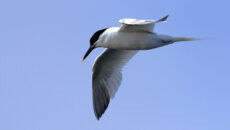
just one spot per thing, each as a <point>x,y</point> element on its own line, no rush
<point>82,60</point>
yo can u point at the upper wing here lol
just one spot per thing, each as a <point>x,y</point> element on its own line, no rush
<point>107,77</point>
<point>139,24</point>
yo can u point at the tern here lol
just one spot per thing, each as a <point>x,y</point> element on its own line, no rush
<point>121,44</point>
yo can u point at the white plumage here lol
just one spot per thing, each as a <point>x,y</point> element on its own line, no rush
<point>122,44</point>
<point>107,76</point>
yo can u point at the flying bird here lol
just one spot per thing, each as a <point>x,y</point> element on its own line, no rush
<point>121,44</point>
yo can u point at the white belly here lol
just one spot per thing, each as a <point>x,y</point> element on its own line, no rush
<point>115,39</point>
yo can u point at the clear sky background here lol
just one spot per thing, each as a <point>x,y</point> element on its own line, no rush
<point>45,86</point>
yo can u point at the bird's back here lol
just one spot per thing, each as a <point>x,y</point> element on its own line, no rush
<point>114,38</point>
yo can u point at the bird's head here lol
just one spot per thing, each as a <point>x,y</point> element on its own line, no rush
<point>93,41</point>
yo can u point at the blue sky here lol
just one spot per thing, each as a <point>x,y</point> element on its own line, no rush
<point>44,85</point>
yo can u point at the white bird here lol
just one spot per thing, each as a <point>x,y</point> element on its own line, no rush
<point>122,44</point>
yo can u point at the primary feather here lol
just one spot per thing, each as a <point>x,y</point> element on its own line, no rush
<point>107,77</point>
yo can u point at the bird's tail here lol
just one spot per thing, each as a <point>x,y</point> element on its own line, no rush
<point>178,39</point>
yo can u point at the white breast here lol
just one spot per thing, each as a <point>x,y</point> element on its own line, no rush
<point>115,39</point>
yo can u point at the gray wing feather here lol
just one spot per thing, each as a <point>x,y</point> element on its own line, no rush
<point>107,77</point>
<point>129,24</point>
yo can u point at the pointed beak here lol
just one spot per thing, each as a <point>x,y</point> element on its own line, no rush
<point>87,53</point>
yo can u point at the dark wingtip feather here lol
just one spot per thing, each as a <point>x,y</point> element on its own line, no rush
<point>98,115</point>
<point>164,18</point>
<point>101,100</point>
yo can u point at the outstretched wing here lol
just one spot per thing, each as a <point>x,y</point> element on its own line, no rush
<point>129,24</point>
<point>107,77</point>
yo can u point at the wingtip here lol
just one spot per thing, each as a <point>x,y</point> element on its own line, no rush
<point>101,101</point>
<point>99,114</point>
<point>164,19</point>
<point>98,117</point>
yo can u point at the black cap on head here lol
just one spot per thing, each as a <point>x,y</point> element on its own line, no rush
<point>95,36</point>
<point>93,39</point>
